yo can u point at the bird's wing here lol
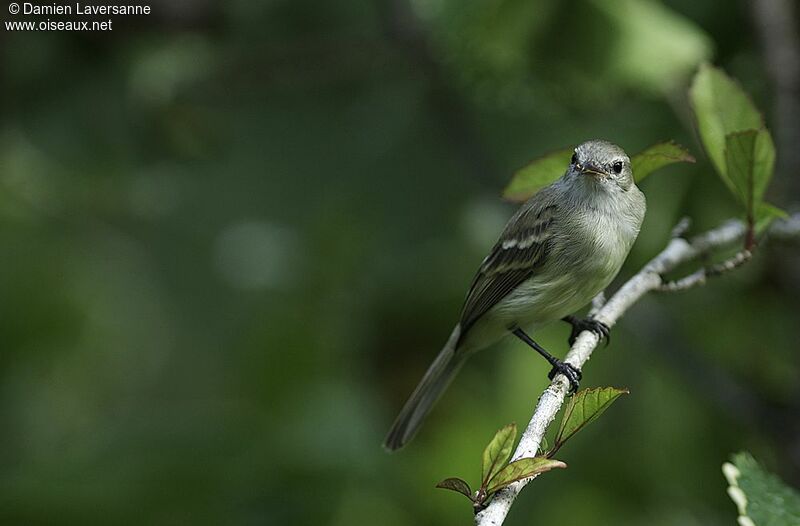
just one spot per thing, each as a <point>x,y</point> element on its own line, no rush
<point>516,256</point>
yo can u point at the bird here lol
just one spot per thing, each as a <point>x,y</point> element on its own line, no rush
<point>561,248</point>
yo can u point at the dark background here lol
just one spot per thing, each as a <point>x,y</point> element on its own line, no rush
<point>234,234</point>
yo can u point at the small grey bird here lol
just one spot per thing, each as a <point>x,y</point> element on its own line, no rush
<point>557,252</point>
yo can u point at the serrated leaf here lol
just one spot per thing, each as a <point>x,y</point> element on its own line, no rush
<point>537,174</point>
<point>750,161</point>
<point>521,469</point>
<point>766,214</point>
<point>760,495</point>
<point>457,485</point>
<point>498,451</point>
<point>658,156</point>
<point>583,408</point>
<point>721,107</point>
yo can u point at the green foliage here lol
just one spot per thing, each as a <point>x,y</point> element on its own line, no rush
<point>653,46</point>
<point>522,469</point>
<point>581,410</point>
<point>658,156</point>
<point>497,452</point>
<point>750,158</point>
<point>536,175</point>
<point>497,472</point>
<point>734,136</point>
<point>456,484</point>
<point>544,170</point>
<point>765,213</point>
<point>720,107</point>
<point>761,498</point>
<point>636,45</point>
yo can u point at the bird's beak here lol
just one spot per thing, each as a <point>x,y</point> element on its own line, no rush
<point>591,169</point>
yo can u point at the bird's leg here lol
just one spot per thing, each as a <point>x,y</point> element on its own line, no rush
<point>572,373</point>
<point>587,324</point>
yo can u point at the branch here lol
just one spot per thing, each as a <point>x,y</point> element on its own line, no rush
<point>677,252</point>
<point>700,276</point>
<point>787,229</point>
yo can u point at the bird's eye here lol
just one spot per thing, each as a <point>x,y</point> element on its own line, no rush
<point>617,166</point>
<point>574,158</point>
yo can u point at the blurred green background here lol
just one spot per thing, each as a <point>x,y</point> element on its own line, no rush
<point>233,235</point>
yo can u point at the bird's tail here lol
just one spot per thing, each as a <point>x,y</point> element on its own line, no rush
<point>430,388</point>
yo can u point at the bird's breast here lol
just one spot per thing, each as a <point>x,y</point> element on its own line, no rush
<point>584,259</point>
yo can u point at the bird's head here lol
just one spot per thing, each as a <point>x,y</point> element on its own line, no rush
<point>601,164</point>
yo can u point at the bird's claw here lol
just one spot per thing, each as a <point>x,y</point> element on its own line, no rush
<point>572,374</point>
<point>602,330</point>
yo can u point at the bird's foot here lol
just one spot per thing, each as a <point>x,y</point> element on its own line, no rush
<point>588,324</point>
<point>572,373</point>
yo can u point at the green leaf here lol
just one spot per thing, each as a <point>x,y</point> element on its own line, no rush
<point>522,469</point>
<point>457,485</point>
<point>750,161</point>
<point>536,175</point>
<point>721,107</point>
<point>658,156</point>
<point>760,495</point>
<point>584,407</point>
<point>498,451</point>
<point>766,214</point>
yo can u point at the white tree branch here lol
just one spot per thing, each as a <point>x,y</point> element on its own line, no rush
<point>678,251</point>
<point>702,274</point>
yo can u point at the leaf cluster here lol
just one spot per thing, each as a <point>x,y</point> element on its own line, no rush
<point>737,143</point>
<point>498,471</point>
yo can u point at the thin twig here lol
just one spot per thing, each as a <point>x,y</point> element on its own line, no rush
<point>677,252</point>
<point>700,276</point>
<point>787,229</point>
<point>682,227</point>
